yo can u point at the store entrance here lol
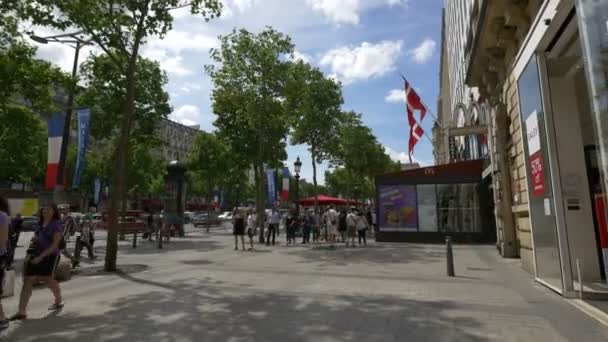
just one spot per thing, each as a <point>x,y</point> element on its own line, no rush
<point>575,174</point>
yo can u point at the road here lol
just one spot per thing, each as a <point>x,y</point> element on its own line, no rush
<point>199,289</point>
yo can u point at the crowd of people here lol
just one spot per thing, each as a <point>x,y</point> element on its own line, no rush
<point>332,225</point>
<point>49,242</point>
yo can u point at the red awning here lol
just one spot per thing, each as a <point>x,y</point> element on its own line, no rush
<point>325,200</point>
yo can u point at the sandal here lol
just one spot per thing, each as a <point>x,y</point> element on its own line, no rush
<point>56,306</point>
<point>17,317</point>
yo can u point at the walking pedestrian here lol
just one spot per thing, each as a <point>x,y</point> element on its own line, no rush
<point>342,224</point>
<point>273,225</point>
<point>84,237</point>
<point>351,227</point>
<point>14,231</point>
<point>316,228</point>
<point>68,225</point>
<point>4,251</point>
<point>238,228</point>
<point>291,227</point>
<point>42,258</point>
<point>362,226</point>
<point>251,226</point>
<point>308,224</point>
<point>332,224</point>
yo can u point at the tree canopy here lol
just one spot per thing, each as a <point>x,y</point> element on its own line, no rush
<point>249,77</point>
<point>314,101</point>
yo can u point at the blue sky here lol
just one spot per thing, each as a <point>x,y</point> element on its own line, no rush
<point>363,43</point>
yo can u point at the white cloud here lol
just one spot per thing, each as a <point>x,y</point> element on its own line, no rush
<point>338,11</point>
<point>402,157</point>
<point>188,87</point>
<point>396,2</point>
<point>170,50</point>
<point>300,56</point>
<point>395,96</point>
<point>191,115</point>
<point>423,52</point>
<point>349,64</point>
<point>176,41</point>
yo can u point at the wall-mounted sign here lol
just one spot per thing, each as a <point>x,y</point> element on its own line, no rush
<point>398,208</point>
<point>533,133</point>
<point>537,173</point>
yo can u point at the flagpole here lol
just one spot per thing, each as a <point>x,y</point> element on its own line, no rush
<point>427,108</point>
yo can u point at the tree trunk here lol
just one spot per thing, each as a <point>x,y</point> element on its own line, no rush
<point>259,183</point>
<point>118,192</point>
<point>314,179</point>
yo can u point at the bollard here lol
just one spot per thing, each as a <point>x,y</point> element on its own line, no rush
<point>449,256</point>
<point>134,240</point>
<point>580,279</point>
<point>160,238</point>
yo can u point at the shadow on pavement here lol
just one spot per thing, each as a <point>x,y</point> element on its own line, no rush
<point>372,254</point>
<point>207,312</point>
<point>174,245</point>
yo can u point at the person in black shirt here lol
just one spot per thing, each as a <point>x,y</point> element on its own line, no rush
<point>291,226</point>
<point>342,224</point>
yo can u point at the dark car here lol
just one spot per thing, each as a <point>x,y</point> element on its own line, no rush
<point>30,224</point>
<point>205,220</point>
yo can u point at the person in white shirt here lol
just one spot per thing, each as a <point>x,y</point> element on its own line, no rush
<point>332,224</point>
<point>273,226</point>
<point>351,227</point>
<point>251,225</point>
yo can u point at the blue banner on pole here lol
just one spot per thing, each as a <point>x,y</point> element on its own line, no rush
<point>84,120</point>
<point>271,186</point>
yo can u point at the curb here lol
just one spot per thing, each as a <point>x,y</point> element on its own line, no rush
<point>590,310</point>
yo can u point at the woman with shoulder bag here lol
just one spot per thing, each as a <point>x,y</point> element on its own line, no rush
<point>4,223</point>
<point>42,258</point>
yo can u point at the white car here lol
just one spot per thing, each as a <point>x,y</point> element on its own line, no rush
<point>225,216</point>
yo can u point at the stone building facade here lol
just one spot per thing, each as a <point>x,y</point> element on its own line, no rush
<point>542,67</point>
<point>178,140</point>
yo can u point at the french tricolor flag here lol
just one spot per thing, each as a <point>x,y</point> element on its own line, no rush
<point>55,128</point>
<point>285,188</point>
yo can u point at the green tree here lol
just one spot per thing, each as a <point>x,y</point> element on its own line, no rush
<point>208,163</point>
<point>27,95</point>
<point>104,93</point>
<point>314,102</point>
<point>360,154</point>
<point>118,28</point>
<point>248,98</point>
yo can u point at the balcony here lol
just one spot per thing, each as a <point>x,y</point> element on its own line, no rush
<point>496,31</point>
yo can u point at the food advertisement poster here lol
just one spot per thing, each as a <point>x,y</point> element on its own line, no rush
<point>398,210</point>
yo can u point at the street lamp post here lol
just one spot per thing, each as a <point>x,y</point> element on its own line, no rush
<point>297,167</point>
<point>75,41</point>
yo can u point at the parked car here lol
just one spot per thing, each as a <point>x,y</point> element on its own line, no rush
<point>225,216</point>
<point>30,224</point>
<point>188,216</point>
<point>205,220</point>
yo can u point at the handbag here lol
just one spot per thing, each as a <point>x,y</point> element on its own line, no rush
<point>8,283</point>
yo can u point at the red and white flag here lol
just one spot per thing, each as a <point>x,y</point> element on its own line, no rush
<point>413,103</point>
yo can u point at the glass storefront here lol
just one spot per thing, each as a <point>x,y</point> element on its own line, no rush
<point>542,211</point>
<point>446,208</point>
<point>593,29</point>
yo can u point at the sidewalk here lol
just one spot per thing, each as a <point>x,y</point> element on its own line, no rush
<point>200,289</point>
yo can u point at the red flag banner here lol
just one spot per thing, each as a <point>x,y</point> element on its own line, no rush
<point>413,103</point>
